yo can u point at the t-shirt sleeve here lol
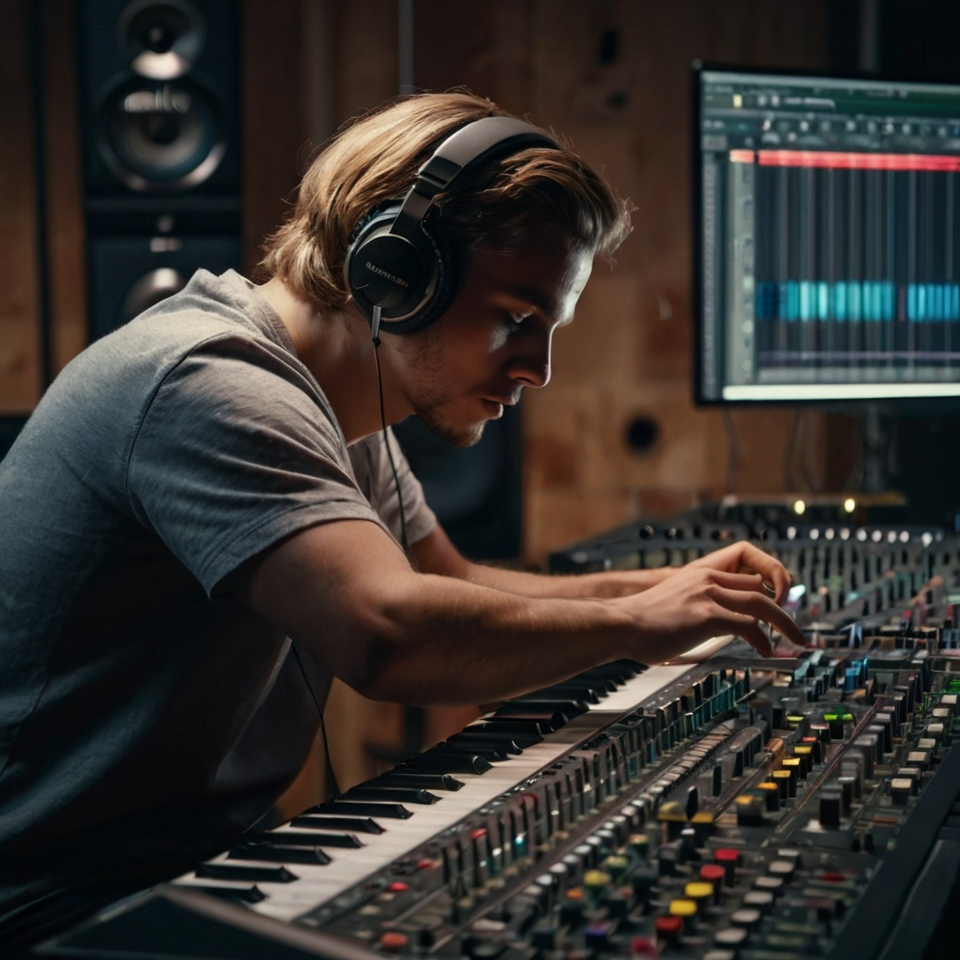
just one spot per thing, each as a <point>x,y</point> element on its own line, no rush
<point>235,451</point>
<point>372,468</point>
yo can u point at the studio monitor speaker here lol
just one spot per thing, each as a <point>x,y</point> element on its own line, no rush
<point>160,110</point>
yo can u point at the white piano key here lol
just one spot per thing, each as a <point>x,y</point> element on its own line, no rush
<point>318,884</point>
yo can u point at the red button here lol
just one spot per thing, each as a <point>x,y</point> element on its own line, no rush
<point>831,876</point>
<point>425,864</point>
<point>713,873</point>
<point>669,926</point>
<point>394,941</point>
<point>642,947</point>
<point>398,886</point>
<point>477,834</point>
<point>726,855</point>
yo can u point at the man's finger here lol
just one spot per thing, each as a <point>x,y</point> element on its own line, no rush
<point>760,608</point>
<point>773,571</point>
<point>748,628</point>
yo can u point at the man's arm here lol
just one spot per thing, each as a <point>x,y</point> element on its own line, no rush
<point>436,554</point>
<point>346,593</point>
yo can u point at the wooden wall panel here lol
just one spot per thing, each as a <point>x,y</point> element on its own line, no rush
<point>614,77</point>
<point>20,363</point>
<point>66,254</point>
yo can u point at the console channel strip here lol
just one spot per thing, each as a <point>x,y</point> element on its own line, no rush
<point>735,808</point>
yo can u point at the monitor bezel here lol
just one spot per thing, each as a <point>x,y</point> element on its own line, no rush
<point>908,405</point>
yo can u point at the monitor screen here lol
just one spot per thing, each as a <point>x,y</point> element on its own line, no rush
<point>827,225</point>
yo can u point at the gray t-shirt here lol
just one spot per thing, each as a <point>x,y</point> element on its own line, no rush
<point>144,717</point>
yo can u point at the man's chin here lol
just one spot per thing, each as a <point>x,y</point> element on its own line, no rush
<point>457,436</point>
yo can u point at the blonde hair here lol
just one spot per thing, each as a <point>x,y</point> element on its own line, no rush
<point>374,161</point>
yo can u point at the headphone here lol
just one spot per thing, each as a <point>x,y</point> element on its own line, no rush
<point>400,268</point>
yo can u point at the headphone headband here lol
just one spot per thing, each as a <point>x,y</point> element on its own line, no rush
<point>395,263</point>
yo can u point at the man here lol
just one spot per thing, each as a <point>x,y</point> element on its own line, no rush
<point>213,479</point>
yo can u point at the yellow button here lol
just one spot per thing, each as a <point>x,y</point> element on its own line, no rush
<point>683,908</point>
<point>698,890</point>
<point>596,878</point>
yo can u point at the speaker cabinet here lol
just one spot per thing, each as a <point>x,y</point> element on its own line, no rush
<point>161,148</point>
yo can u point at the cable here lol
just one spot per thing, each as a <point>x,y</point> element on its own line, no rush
<point>331,775</point>
<point>386,436</point>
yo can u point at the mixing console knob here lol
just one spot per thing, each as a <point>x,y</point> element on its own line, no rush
<point>393,941</point>
<point>700,893</point>
<point>571,910</point>
<point>746,917</point>
<point>767,884</point>
<point>781,868</point>
<point>595,884</point>
<point>668,927</point>
<point>574,866</point>
<point>794,765</point>
<point>686,910</point>
<point>693,802</point>
<point>738,764</point>
<point>786,781</point>
<point>616,866</point>
<point>729,939</point>
<point>771,795</point>
<point>805,753</point>
<point>728,858</point>
<point>831,805</point>
<point>761,900</point>
<point>900,789</point>
<point>713,873</point>
<point>640,845</point>
<point>716,787</point>
<point>587,855</point>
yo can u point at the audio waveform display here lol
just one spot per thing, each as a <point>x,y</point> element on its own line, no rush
<point>828,226</point>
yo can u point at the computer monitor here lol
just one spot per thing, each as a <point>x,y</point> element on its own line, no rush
<point>827,238</point>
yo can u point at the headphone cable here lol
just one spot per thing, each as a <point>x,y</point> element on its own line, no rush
<point>386,437</point>
<point>330,774</point>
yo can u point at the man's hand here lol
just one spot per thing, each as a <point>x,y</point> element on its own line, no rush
<point>743,557</point>
<point>701,601</point>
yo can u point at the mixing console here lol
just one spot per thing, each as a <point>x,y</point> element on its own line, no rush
<point>727,808</point>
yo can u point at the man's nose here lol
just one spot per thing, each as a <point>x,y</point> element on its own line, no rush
<point>530,366</point>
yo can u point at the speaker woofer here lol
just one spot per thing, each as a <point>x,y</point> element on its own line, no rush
<point>161,41</point>
<point>160,136</point>
<point>150,289</point>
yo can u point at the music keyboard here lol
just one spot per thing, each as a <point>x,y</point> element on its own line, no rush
<point>301,887</point>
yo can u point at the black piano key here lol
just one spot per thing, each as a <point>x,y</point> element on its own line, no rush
<point>486,733</point>
<point>424,781</point>
<point>448,762</point>
<point>521,725</point>
<point>399,794</point>
<point>310,838</point>
<point>249,874</point>
<point>470,741</point>
<point>569,708</point>
<point>386,811</point>
<point>353,824</point>
<point>279,853</point>
<point>511,711</point>
<point>247,893</point>
<point>619,670</point>
<point>581,693</point>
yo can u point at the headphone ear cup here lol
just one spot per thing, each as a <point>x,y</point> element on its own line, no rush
<point>437,274</point>
<point>445,288</point>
